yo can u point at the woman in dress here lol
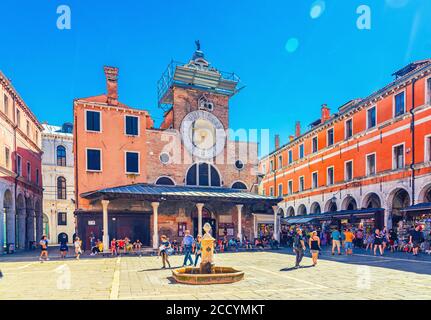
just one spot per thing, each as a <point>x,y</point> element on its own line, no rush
<point>314,244</point>
<point>378,241</point>
<point>78,245</point>
<point>163,251</point>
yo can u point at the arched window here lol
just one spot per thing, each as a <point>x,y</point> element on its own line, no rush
<point>239,185</point>
<point>203,174</point>
<point>61,156</point>
<point>61,188</point>
<point>165,181</point>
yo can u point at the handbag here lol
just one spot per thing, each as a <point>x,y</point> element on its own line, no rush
<point>169,251</point>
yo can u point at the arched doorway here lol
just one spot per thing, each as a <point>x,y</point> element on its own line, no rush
<point>331,206</point>
<point>349,203</point>
<point>8,223</point>
<point>290,212</point>
<point>315,208</point>
<point>45,230</point>
<point>63,238</point>
<point>302,210</point>
<point>425,194</point>
<point>400,200</point>
<point>29,222</point>
<point>38,220</point>
<point>20,225</point>
<point>372,200</point>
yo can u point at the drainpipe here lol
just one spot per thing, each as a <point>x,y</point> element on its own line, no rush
<point>412,128</point>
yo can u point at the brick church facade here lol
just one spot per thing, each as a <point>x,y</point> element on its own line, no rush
<point>138,181</point>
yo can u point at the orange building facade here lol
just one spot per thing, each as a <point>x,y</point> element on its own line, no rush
<point>374,153</point>
<point>21,219</point>
<point>138,181</point>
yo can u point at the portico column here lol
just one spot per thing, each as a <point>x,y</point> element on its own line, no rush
<point>155,206</point>
<point>239,208</point>
<point>276,234</point>
<point>105,225</point>
<point>199,206</point>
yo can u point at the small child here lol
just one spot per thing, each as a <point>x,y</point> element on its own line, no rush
<point>114,247</point>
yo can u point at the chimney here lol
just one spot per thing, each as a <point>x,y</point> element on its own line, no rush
<point>277,142</point>
<point>291,137</point>
<point>111,74</point>
<point>326,113</point>
<point>297,129</point>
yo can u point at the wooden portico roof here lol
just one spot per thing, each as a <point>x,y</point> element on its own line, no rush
<point>152,192</point>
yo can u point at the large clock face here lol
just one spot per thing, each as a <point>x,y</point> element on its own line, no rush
<point>203,134</point>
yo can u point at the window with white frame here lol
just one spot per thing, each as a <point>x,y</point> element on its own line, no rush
<point>348,170</point>
<point>314,180</point>
<point>314,145</point>
<point>330,176</point>
<point>428,93</point>
<point>6,104</point>
<point>132,125</point>
<point>19,165</point>
<point>349,128</point>
<point>132,162</point>
<point>371,164</point>
<point>301,183</point>
<point>280,190</point>
<point>7,157</point>
<point>330,137</point>
<point>264,168</point>
<point>400,107</point>
<point>290,156</point>
<point>290,187</point>
<point>301,151</point>
<point>398,157</point>
<point>271,191</point>
<point>371,117</point>
<point>28,171</point>
<point>271,166</point>
<point>280,161</point>
<point>94,160</point>
<point>427,148</point>
<point>92,121</point>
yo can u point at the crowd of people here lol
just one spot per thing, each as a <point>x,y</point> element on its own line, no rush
<point>339,240</point>
<point>347,238</point>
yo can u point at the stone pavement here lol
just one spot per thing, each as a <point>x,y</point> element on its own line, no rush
<point>268,275</point>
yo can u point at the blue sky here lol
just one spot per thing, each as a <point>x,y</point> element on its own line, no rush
<point>333,63</point>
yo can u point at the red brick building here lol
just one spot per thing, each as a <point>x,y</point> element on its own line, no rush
<point>370,162</point>
<point>21,221</point>
<point>139,181</point>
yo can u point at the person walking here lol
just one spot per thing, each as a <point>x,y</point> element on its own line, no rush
<point>336,241</point>
<point>78,250</point>
<point>188,246</point>
<point>378,241</point>
<point>63,249</point>
<point>298,247</point>
<point>198,249</point>
<point>163,251</point>
<point>416,238</point>
<point>348,242</point>
<point>314,244</point>
<point>43,249</point>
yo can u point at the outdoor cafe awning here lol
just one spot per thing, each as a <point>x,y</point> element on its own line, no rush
<point>424,207</point>
<point>360,213</point>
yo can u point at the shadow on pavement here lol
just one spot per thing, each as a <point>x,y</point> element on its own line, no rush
<point>400,261</point>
